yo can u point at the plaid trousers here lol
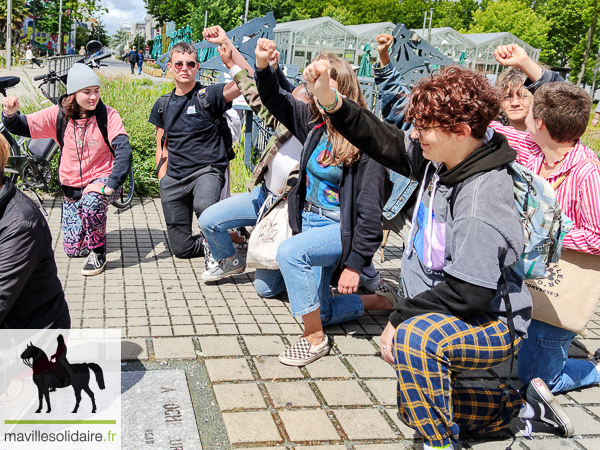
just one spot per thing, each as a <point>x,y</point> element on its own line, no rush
<point>430,350</point>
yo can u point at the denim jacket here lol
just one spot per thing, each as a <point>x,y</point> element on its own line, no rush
<point>394,100</point>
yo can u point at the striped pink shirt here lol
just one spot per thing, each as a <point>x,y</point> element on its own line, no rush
<point>578,195</point>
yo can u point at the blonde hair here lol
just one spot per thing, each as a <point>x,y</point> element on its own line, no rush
<point>349,86</point>
<point>4,153</point>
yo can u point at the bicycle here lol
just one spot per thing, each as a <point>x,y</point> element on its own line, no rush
<point>30,158</point>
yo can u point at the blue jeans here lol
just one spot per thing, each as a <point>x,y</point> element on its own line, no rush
<point>307,262</point>
<point>238,211</point>
<point>544,354</point>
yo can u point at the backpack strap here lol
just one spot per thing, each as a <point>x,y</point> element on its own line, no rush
<point>509,322</point>
<point>563,177</point>
<point>219,121</point>
<point>61,127</point>
<point>163,105</point>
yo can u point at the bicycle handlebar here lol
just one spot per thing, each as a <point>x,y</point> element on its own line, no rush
<point>39,77</point>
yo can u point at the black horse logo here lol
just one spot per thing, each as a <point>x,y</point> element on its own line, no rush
<point>49,376</point>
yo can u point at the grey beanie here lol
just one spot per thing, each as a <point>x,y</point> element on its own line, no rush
<point>80,77</point>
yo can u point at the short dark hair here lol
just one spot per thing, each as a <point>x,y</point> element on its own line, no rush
<point>453,98</point>
<point>183,47</point>
<point>565,110</point>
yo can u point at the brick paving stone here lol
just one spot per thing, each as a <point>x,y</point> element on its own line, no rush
<point>584,422</point>
<point>228,369</point>
<point>220,346</point>
<point>595,410</point>
<point>355,345</point>
<point>399,446</point>
<point>155,321</point>
<point>242,396</point>
<point>359,424</point>
<point>384,391</point>
<point>174,348</point>
<point>547,444</point>
<point>270,368</point>
<point>589,444</point>
<point>203,330</point>
<point>161,331</point>
<point>586,395</point>
<point>406,431</point>
<point>183,330</point>
<point>290,394</point>
<point>134,349</point>
<point>248,328</point>
<point>308,426</point>
<point>343,393</point>
<point>138,331</point>
<point>251,427</point>
<point>494,445</point>
<point>371,367</point>
<point>328,367</point>
<point>269,328</point>
<point>264,345</point>
<point>227,329</point>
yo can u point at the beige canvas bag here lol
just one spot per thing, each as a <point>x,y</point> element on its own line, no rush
<point>568,297</point>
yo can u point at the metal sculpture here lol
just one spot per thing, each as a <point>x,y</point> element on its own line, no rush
<point>243,37</point>
<point>414,57</point>
<point>157,47</point>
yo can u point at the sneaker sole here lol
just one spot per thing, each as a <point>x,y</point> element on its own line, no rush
<point>225,275</point>
<point>298,363</point>
<point>88,273</point>
<point>559,412</point>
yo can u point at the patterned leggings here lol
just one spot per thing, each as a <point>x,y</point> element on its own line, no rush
<point>84,221</point>
<point>430,350</point>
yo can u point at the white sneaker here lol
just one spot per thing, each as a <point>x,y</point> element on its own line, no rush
<point>303,352</point>
<point>225,268</point>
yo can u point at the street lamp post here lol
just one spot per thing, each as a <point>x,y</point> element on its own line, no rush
<point>59,43</point>
<point>8,34</point>
<point>246,15</point>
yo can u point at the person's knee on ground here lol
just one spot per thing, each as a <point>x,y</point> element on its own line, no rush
<point>265,290</point>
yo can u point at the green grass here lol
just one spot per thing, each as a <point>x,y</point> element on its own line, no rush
<point>133,99</point>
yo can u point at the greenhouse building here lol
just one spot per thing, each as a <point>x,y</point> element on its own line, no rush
<point>300,41</point>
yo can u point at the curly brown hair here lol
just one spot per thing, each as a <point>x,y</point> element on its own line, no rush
<point>348,86</point>
<point>453,98</point>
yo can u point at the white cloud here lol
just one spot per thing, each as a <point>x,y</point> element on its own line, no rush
<point>122,11</point>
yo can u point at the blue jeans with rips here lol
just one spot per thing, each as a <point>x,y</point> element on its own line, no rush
<point>307,262</point>
<point>544,354</point>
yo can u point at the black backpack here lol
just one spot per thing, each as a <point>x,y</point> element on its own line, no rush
<point>133,57</point>
<point>220,122</point>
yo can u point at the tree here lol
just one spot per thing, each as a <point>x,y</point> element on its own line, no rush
<point>80,10</point>
<point>516,17</point>
<point>119,39</point>
<point>19,13</point>
<point>593,13</point>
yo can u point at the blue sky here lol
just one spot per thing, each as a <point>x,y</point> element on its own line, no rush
<point>122,11</point>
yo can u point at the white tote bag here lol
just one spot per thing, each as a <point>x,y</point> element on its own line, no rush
<point>272,229</point>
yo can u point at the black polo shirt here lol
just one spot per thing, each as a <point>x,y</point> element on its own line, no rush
<point>193,139</point>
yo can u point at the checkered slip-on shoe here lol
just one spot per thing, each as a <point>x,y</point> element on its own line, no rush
<point>386,290</point>
<point>303,352</point>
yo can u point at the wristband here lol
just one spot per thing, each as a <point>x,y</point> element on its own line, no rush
<point>335,103</point>
<point>102,190</point>
<point>8,116</point>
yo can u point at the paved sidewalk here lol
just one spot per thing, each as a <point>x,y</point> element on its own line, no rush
<point>229,333</point>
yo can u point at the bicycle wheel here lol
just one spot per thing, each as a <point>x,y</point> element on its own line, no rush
<point>123,200</point>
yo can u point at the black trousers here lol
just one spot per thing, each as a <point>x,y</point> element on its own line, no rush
<point>132,64</point>
<point>181,199</point>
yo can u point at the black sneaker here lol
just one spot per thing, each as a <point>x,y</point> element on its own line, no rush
<point>94,264</point>
<point>546,407</point>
